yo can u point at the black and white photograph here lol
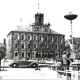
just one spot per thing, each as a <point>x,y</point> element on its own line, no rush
<point>39,39</point>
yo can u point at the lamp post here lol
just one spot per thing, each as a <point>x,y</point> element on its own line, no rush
<point>71,17</point>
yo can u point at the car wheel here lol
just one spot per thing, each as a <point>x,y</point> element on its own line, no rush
<point>34,65</point>
<point>15,65</point>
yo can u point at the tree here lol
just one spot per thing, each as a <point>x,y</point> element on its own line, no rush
<point>67,46</point>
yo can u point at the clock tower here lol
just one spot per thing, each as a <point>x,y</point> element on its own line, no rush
<point>39,19</point>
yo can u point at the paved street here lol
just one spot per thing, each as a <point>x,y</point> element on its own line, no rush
<point>28,73</point>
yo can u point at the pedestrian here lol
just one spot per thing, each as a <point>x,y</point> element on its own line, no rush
<point>64,61</point>
<point>68,60</point>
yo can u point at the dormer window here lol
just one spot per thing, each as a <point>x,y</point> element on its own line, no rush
<point>35,28</point>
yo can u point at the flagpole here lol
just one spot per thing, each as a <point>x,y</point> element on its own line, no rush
<point>21,21</point>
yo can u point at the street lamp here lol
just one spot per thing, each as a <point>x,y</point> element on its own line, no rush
<point>71,17</point>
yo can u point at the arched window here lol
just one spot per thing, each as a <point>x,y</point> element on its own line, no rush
<point>35,37</point>
<point>16,45</point>
<point>55,39</point>
<point>40,45</point>
<point>22,37</point>
<point>28,37</point>
<point>40,38</point>
<point>34,45</point>
<point>22,54</point>
<point>16,36</point>
<point>22,46</point>
<point>50,38</point>
<point>16,53</point>
<point>28,45</point>
<point>45,38</point>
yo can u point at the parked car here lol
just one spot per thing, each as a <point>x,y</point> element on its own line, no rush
<point>31,64</point>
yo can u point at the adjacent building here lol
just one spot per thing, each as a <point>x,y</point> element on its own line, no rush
<point>35,41</point>
<point>3,49</point>
<point>76,46</point>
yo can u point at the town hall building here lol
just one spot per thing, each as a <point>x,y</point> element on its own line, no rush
<point>35,41</point>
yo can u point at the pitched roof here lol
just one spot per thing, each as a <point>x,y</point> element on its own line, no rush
<point>22,29</point>
<point>54,32</point>
<point>27,29</point>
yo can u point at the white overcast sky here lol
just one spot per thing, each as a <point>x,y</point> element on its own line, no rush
<point>54,10</point>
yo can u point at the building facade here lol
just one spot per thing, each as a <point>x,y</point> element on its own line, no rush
<point>35,41</point>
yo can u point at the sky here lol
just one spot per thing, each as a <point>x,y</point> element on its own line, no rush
<point>11,11</point>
